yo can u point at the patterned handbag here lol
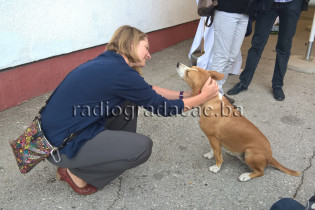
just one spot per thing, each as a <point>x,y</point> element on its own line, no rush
<point>32,146</point>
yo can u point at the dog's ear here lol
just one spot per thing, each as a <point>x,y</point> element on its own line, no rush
<point>216,75</point>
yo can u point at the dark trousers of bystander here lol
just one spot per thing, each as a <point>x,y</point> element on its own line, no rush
<point>289,14</point>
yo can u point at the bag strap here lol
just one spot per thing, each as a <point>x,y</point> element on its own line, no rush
<point>205,24</point>
<point>203,37</point>
<point>69,138</point>
<point>55,151</point>
<point>207,20</point>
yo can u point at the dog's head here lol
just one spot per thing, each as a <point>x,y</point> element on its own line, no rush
<point>196,77</point>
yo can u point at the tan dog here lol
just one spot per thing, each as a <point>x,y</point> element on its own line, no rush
<point>224,125</point>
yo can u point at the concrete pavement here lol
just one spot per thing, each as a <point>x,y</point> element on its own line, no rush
<point>176,176</point>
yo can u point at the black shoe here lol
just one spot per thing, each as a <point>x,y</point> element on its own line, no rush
<point>236,89</point>
<point>278,94</point>
<point>231,100</point>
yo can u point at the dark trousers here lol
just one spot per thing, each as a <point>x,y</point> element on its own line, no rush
<point>110,153</point>
<point>289,14</point>
<point>287,204</point>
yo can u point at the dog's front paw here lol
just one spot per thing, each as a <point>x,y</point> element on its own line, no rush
<point>214,169</point>
<point>208,155</point>
<point>244,177</point>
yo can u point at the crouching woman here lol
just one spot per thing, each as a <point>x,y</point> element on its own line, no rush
<point>106,143</point>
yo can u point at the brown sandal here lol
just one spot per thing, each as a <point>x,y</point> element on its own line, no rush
<point>63,175</point>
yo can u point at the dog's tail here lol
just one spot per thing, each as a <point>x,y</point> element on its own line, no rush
<point>276,164</point>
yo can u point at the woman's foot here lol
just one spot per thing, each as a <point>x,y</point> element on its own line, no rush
<point>77,184</point>
<point>77,181</point>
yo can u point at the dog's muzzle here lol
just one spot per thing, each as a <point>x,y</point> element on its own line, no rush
<point>181,68</point>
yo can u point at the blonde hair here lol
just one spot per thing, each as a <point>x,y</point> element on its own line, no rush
<point>125,41</point>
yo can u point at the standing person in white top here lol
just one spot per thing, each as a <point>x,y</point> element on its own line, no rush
<point>203,41</point>
<point>230,24</point>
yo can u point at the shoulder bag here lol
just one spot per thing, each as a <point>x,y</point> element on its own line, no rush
<point>32,147</point>
<point>206,8</point>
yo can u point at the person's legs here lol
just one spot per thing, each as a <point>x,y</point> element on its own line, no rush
<point>111,152</point>
<point>224,27</point>
<point>238,38</point>
<point>263,26</point>
<point>126,121</point>
<point>107,155</point>
<point>289,14</point>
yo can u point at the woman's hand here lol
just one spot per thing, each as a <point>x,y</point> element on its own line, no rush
<point>209,90</point>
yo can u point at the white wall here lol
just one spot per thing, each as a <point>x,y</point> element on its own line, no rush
<point>31,30</point>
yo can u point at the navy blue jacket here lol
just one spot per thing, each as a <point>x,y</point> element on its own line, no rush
<point>87,96</point>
